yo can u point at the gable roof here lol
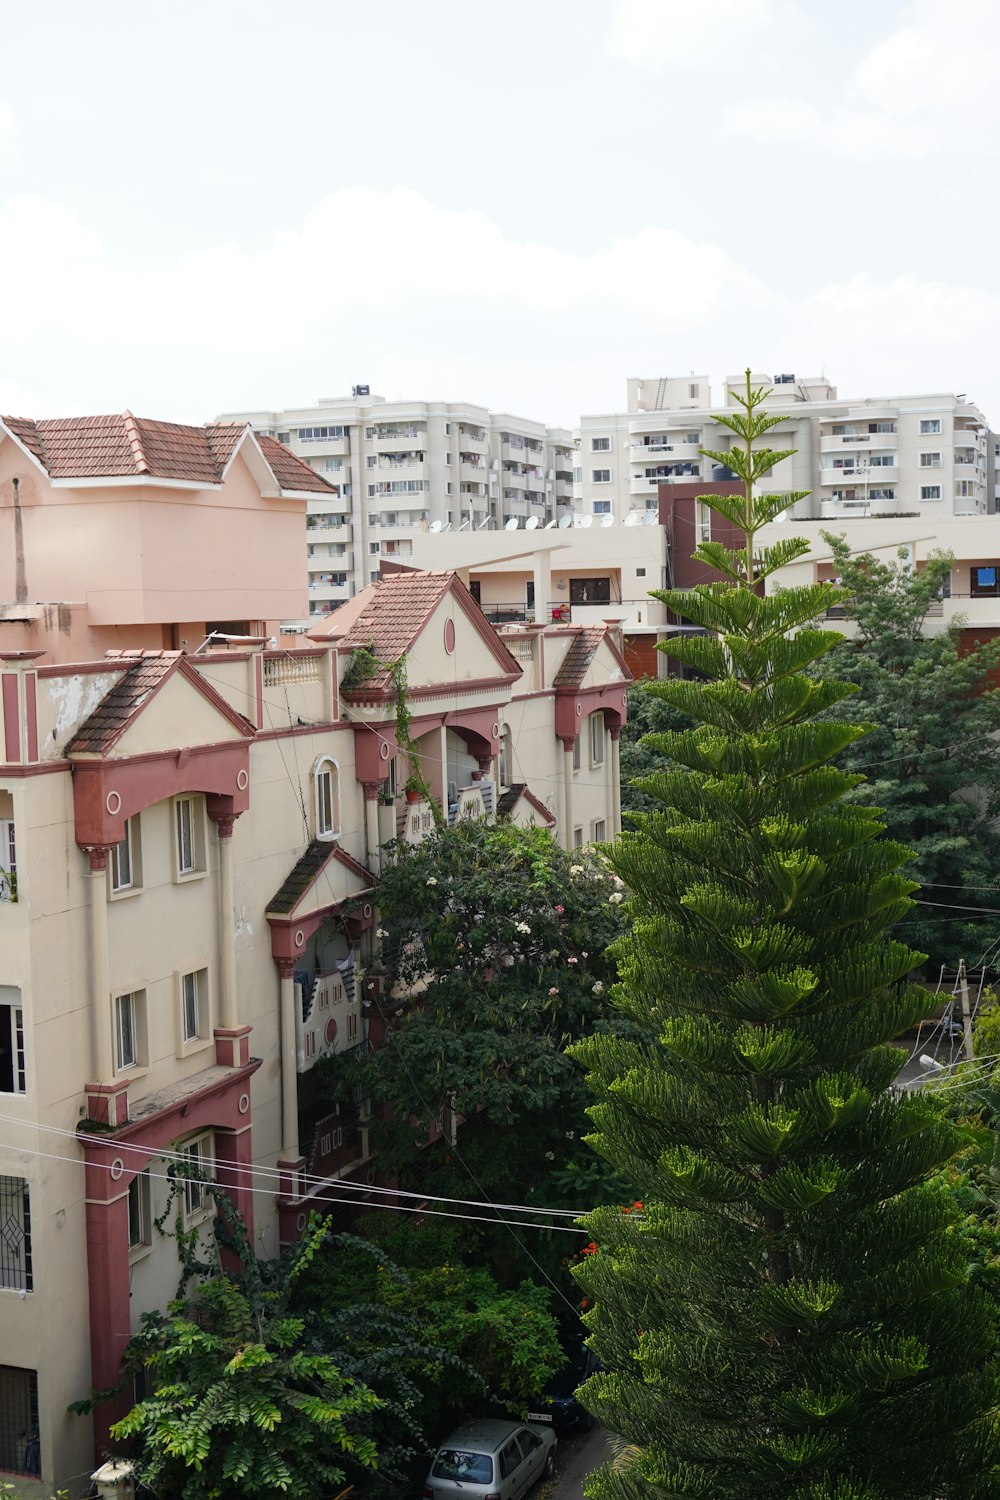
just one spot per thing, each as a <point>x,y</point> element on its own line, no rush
<point>581,653</point>
<point>122,446</point>
<point>388,616</point>
<point>305,873</point>
<point>145,674</point>
<point>518,791</point>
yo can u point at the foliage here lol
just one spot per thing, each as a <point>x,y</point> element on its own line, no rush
<point>930,758</point>
<point>238,1407</point>
<point>499,937</point>
<point>788,1313</point>
<point>366,666</point>
<point>448,1333</point>
<point>649,714</point>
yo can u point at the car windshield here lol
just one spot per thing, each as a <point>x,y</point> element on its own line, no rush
<point>466,1467</point>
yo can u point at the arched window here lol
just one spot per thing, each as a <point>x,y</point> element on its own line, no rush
<point>505,759</point>
<point>326,797</point>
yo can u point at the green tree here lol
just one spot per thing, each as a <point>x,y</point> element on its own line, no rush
<point>237,1407</point>
<point>494,945</point>
<point>649,713</point>
<point>930,759</point>
<point>789,1313</point>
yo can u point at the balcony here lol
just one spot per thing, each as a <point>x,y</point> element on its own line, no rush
<point>328,1015</point>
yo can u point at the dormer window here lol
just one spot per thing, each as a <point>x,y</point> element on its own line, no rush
<point>327,798</point>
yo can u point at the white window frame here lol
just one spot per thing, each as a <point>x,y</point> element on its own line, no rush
<point>189,842</point>
<point>600,830</point>
<point>126,881</point>
<point>602,507</point>
<point>598,734</point>
<point>930,492</point>
<point>600,476</point>
<point>326,797</point>
<point>200,1152</point>
<point>193,988</point>
<point>13,1023</point>
<point>140,1217</point>
<point>930,426</point>
<point>128,1017</point>
<point>600,445</point>
<point>577,754</point>
<point>930,460</point>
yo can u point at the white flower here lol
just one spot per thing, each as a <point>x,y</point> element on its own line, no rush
<point>508,961</point>
<point>571,960</point>
<point>381,932</point>
<point>432,881</point>
<point>598,989</point>
<point>616,897</point>
<point>576,869</point>
<point>521,927</point>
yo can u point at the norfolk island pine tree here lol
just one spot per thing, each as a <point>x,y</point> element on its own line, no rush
<point>789,1313</point>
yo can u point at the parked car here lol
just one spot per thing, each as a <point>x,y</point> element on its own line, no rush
<point>494,1458</point>
<point>557,1403</point>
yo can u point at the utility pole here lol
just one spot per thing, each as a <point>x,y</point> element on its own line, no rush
<point>963,989</point>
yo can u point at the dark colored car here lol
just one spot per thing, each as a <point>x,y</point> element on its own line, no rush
<point>557,1403</point>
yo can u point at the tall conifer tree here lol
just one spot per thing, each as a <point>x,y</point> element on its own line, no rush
<point>787,1313</point>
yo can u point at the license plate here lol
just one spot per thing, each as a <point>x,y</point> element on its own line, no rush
<point>539,1416</point>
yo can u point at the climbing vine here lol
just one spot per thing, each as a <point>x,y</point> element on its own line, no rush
<point>364,666</point>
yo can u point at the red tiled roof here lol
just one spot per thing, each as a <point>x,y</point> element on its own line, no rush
<point>579,656</point>
<point>291,472</point>
<point>124,446</point>
<point>97,734</point>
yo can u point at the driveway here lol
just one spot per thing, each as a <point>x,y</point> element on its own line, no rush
<point>579,1455</point>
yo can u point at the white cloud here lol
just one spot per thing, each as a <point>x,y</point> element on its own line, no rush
<point>925,89</point>
<point>653,34</point>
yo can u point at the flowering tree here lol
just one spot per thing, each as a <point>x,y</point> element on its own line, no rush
<point>493,941</point>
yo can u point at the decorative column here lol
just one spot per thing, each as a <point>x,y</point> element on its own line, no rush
<point>372,789</point>
<point>290,1162</point>
<point>232,1041</point>
<point>107,1098</point>
<point>568,742</point>
<point>616,783</point>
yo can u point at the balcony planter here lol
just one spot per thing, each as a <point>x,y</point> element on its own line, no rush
<point>412,795</point>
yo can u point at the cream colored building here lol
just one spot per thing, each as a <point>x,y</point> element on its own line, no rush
<point>928,456</point>
<point>398,469</point>
<point>188,846</point>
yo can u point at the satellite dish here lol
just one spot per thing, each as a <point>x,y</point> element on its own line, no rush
<point>436,525</point>
<point>549,525</point>
<point>565,521</point>
<point>607,520</point>
<point>531,523</point>
<point>585,521</point>
<point>632,519</point>
<point>650,518</point>
<point>512,524</point>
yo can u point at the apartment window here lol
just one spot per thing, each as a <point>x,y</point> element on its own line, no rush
<point>447,458</point>
<point>8,860</point>
<point>189,836</point>
<point>125,864</point>
<point>374,548</point>
<point>600,476</point>
<point>371,491</point>
<point>930,425</point>
<point>327,794</point>
<point>139,1216</point>
<point>590,591</point>
<point>930,492</point>
<point>600,831</point>
<point>371,461</point>
<point>194,1006</point>
<point>597,739</point>
<point>12,1064</point>
<point>602,507</point>
<point>966,489</point>
<point>505,759</point>
<point>577,476</point>
<point>20,1451</point>
<point>577,838</point>
<point>930,460</point>
<point>640,572</point>
<point>197,1159</point>
<point>130,1026</point>
<point>692,393</point>
<point>576,754</point>
<point>15,1235</point>
<point>600,445</point>
<point>881,427</point>
<point>885,493</point>
<point>985,582</point>
<point>882,460</point>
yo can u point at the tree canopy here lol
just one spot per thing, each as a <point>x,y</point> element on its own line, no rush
<point>787,1312</point>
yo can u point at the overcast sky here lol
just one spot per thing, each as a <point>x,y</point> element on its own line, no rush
<point>216,204</point>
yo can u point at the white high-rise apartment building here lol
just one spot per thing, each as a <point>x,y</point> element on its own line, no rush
<point>399,468</point>
<point>899,455</point>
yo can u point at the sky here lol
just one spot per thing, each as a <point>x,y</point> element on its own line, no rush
<point>220,205</point>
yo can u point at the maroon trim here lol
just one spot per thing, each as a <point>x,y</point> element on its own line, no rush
<point>43,768</point>
<point>435,690</point>
<point>31,713</point>
<point>287,734</point>
<point>11,718</point>
<point>607,699</point>
<point>130,785</point>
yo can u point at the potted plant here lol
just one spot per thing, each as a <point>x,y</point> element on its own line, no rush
<point>414,789</point>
